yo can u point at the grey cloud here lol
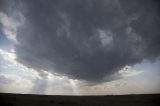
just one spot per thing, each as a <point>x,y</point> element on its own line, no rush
<point>40,86</point>
<point>5,80</point>
<point>87,40</point>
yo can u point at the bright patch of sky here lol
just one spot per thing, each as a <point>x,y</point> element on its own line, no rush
<point>4,42</point>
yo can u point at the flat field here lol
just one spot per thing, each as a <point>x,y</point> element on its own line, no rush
<point>7,99</point>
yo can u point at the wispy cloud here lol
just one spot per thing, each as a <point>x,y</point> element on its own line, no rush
<point>128,71</point>
<point>10,26</point>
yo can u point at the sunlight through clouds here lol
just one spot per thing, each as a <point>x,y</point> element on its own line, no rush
<point>76,47</point>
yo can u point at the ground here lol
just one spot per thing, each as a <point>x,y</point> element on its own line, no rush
<point>7,99</point>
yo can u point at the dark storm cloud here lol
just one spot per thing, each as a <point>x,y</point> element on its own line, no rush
<point>88,39</point>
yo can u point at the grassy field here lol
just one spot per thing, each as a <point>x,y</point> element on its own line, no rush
<point>48,100</point>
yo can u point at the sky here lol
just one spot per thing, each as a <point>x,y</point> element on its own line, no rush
<point>80,47</point>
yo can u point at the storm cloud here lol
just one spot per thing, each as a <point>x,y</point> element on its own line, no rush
<point>86,39</point>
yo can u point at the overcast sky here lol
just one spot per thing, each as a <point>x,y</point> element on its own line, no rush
<point>80,47</point>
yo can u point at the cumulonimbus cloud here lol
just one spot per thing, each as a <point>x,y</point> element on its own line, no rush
<point>87,40</point>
